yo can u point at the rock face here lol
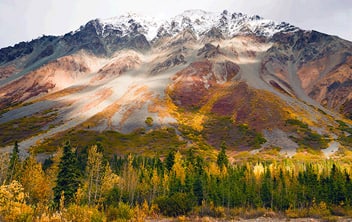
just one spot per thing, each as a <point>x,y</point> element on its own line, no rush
<point>218,74</point>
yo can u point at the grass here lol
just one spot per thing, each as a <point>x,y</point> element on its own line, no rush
<point>236,136</point>
<point>151,143</point>
<point>308,154</point>
<point>305,137</point>
<point>23,128</point>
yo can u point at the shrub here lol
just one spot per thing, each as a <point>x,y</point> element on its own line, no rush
<point>319,210</point>
<point>338,211</point>
<point>83,213</point>
<point>175,205</point>
<point>296,213</point>
<point>122,212</point>
<point>13,205</point>
<point>149,121</point>
<point>211,210</point>
<point>253,213</point>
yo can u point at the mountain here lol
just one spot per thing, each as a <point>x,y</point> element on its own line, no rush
<point>200,79</point>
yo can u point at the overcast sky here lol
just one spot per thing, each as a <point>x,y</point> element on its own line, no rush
<point>24,20</point>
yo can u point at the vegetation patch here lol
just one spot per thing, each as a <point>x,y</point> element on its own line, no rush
<point>152,142</point>
<point>23,128</point>
<point>149,121</point>
<point>236,136</point>
<point>305,137</point>
<point>345,137</point>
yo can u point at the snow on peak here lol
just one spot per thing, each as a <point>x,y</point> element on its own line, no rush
<point>199,21</point>
<point>132,22</point>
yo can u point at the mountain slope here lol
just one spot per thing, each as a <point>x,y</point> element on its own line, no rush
<point>202,78</point>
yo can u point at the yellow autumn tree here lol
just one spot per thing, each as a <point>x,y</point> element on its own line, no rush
<point>95,173</point>
<point>4,165</point>
<point>178,169</point>
<point>53,170</point>
<point>36,184</point>
<point>155,183</point>
<point>258,170</point>
<point>13,205</point>
<point>109,181</point>
<point>129,179</point>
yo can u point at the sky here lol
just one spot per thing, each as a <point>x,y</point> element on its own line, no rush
<point>24,20</point>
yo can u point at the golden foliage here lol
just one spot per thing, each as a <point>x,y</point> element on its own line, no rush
<point>258,170</point>
<point>95,174</point>
<point>178,169</point>
<point>77,213</point>
<point>213,169</point>
<point>36,184</point>
<point>110,180</point>
<point>13,205</point>
<point>4,164</point>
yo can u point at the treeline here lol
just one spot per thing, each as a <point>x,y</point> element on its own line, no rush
<point>88,186</point>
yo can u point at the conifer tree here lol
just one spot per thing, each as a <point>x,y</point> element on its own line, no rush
<point>68,178</point>
<point>222,159</point>
<point>14,163</point>
<point>170,160</point>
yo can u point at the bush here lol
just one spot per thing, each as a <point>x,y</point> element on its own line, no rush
<point>83,213</point>
<point>319,210</point>
<point>338,211</point>
<point>122,212</point>
<point>253,213</point>
<point>296,213</point>
<point>175,205</point>
<point>149,121</point>
<point>210,210</point>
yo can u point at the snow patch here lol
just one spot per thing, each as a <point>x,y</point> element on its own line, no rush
<point>198,21</point>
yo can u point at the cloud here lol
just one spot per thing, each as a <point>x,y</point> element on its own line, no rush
<point>23,20</point>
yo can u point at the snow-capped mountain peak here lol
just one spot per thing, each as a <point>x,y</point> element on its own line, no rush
<point>199,21</point>
<point>132,22</point>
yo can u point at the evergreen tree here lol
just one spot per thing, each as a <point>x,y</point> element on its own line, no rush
<point>14,163</point>
<point>170,160</point>
<point>68,176</point>
<point>222,159</point>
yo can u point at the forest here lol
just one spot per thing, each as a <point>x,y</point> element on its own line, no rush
<point>90,186</point>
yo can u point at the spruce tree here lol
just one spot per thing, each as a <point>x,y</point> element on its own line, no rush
<point>170,160</point>
<point>68,178</point>
<point>14,163</point>
<point>222,159</point>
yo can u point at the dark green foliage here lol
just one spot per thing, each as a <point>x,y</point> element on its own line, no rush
<point>266,190</point>
<point>304,136</point>
<point>68,178</point>
<point>175,205</point>
<point>222,129</point>
<point>205,187</point>
<point>198,190</point>
<point>149,143</point>
<point>47,163</point>
<point>113,197</point>
<point>296,122</point>
<point>237,187</point>
<point>14,163</point>
<point>222,159</point>
<point>170,160</point>
<point>343,138</point>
